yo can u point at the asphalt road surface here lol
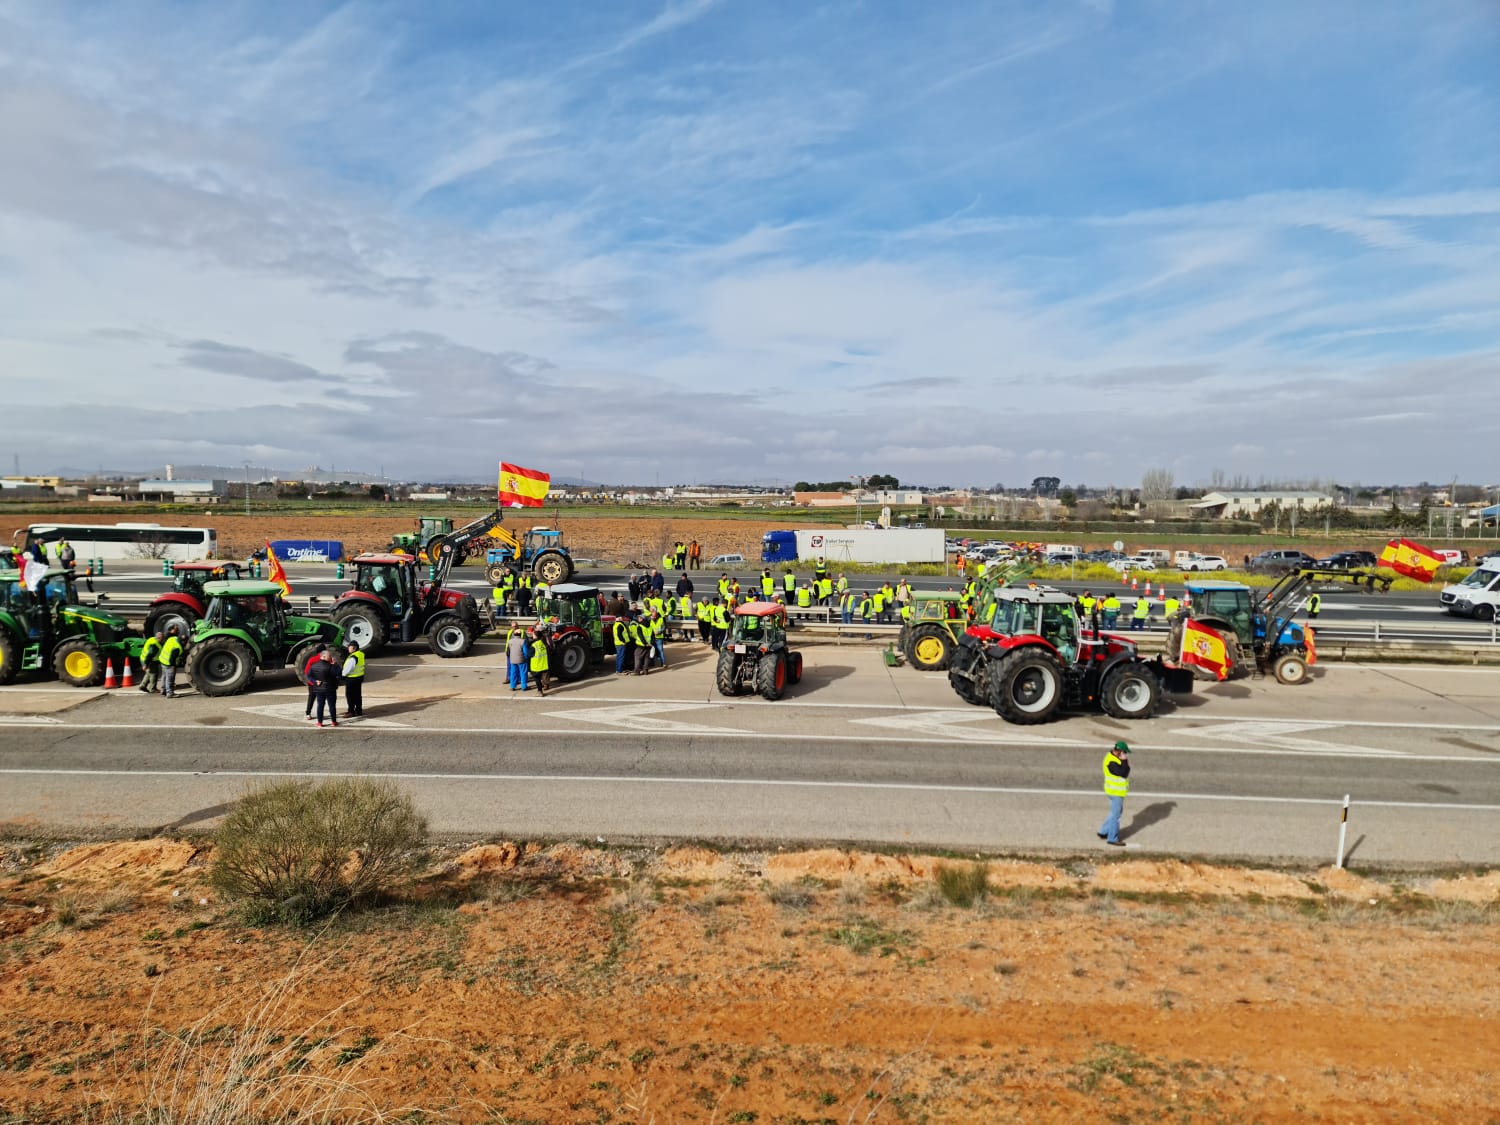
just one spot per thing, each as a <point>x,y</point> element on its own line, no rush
<point>856,753</point>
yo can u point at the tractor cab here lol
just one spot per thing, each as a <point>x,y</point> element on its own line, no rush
<point>936,605</point>
<point>1029,614</point>
<point>428,529</point>
<point>189,577</point>
<point>1228,603</point>
<point>539,539</point>
<point>758,623</point>
<point>391,578</point>
<point>574,605</point>
<point>245,606</point>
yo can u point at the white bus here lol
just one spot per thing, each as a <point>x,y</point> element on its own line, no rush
<point>122,541</point>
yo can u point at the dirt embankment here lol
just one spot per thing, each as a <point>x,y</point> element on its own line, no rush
<point>565,983</point>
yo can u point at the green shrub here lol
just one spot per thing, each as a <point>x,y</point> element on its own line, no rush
<point>298,851</point>
<point>963,885</point>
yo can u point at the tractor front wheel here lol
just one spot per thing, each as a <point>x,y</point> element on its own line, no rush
<point>161,620</point>
<point>1131,691</point>
<point>78,662</point>
<point>496,574</point>
<point>770,676</point>
<point>448,638</point>
<point>971,688</point>
<point>221,666</point>
<point>1290,669</point>
<point>302,655</point>
<point>571,653</point>
<point>724,675</point>
<point>929,648</point>
<point>364,625</point>
<point>1026,686</point>
<point>7,658</point>
<point>553,569</point>
<point>794,667</point>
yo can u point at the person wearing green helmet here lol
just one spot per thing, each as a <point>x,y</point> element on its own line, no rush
<point>1116,787</point>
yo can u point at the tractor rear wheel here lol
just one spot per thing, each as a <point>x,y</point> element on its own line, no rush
<point>364,625</point>
<point>160,620</point>
<point>7,658</point>
<point>571,654</point>
<point>447,636</point>
<point>1290,668</point>
<point>971,690</point>
<point>1026,686</point>
<point>1131,691</point>
<point>770,676</point>
<point>78,662</point>
<point>553,569</point>
<point>221,666</point>
<point>794,667</point>
<point>724,675</point>
<point>929,648</point>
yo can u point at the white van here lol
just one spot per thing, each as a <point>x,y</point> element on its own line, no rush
<point>1062,549</point>
<point>1478,595</point>
<point>1159,557</point>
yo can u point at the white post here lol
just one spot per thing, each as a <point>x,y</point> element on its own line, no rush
<point>1343,829</point>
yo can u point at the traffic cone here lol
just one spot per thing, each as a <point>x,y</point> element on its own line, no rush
<point>128,679</point>
<point>1124,577</point>
<point>1134,583</point>
<point>1148,587</point>
<point>1187,599</point>
<point>1161,593</point>
<point>109,675</point>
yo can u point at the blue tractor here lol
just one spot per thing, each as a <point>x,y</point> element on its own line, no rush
<point>540,550</point>
<point>1261,623</point>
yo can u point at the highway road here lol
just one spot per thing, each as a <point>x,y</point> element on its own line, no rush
<point>857,753</point>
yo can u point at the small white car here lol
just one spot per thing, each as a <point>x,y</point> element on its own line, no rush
<point>1204,562</point>
<point>1133,562</point>
<point>727,560</point>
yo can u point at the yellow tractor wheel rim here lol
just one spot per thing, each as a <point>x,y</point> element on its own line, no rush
<point>929,649</point>
<point>79,665</point>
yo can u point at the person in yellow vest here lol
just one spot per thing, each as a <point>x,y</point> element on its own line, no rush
<point>1314,606</point>
<point>877,606</point>
<point>906,613</point>
<point>825,590</point>
<point>705,621</point>
<point>767,584</point>
<point>720,624</point>
<point>623,656</point>
<point>1110,610</point>
<point>820,571</point>
<point>1170,606</point>
<point>889,594</point>
<point>866,606</point>
<point>658,627</point>
<point>789,583</point>
<point>981,568</point>
<point>525,589</point>
<point>354,681</point>
<point>1139,614</point>
<point>171,659</point>
<point>1086,603</point>
<point>724,586</point>
<point>539,663</point>
<point>151,661</point>
<point>842,586</point>
<point>685,612</point>
<point>667,560</point>
<point>804,597</point>
<point>1116,787</point>
<point>846,607</point>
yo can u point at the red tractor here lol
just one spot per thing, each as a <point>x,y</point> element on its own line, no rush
<point>185,604</point>
<point>755,656</point>
<point>389,604</point>
<point>1027,656</point>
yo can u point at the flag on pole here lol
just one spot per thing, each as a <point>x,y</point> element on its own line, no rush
<point>1411,559</point>
<point>1311,643</point>
<point>277,575</point>
<point>33,573</point>
<point>523,488</point>
<point>1205,648</point>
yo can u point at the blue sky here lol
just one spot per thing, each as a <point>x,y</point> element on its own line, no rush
<point>701,240</point>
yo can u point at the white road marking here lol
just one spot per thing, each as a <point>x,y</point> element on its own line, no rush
<point>1281,733</point>
<point>951,725</point>
<point>294,712</point>
<point>29,720</point>
<point>639,717</point>
<point>770,783</point>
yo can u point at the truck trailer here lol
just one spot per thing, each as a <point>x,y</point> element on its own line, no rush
<point>880,545</point>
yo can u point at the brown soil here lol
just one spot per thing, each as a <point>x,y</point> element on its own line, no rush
<point>557,984</point>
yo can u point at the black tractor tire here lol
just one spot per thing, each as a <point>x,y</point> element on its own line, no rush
<point>570,657</point>
<point>300,655</point>
<point>1026,686</point>
<point>79,662</point>
<point>929,648</point>
<point>161,619</point>
<point>1130,691</point>
<point>8,658</point>
<point>447,636</point>
<point>1290,668</point>
<point>770,676</point>
<point>973,690</point>
<point>496,573</point>
<point>794,667</point>
<point>724,674</point>
<point>364,624</point>
<point>221,665</point>
<point>553,568</point>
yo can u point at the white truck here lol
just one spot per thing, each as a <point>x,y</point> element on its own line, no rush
<point>835,545</point>
<point>1478,595</point>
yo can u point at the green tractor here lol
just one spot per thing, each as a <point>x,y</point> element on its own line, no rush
<point>930,635</point>
<point>48,627</point>
<point>247,628</point>
<point>415,543</point>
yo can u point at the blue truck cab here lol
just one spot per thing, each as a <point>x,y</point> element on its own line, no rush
<point>778,546</point>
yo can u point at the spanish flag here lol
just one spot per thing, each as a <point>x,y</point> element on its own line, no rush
<point>1205,648</point>
<point>277,575</point>
<point>1411,559</point>
<point>523,488</point>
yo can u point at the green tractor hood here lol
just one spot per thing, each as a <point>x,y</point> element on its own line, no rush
<point>299,628</point>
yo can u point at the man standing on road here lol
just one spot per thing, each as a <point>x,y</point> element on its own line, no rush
<point>624,657</point>
<point>695,556</point>
<point>1116,786</point>
<point>354,681</point>
<point>539,661</point>
<point>518,672</point>
<point>1314,605</point>
<point>170,660</point>
<point>151,661</point>
<point>1139,614</point>
<point>322,678</point>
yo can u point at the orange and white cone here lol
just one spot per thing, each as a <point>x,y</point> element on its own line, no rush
<point>1135,583</point>
<point>1148,587</point>
<point>1161,593</point>
<point>109,675</point>
<point>128,679</point>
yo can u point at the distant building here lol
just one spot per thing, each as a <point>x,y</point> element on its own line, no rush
<point>39,482</point>
<point>894,496</point>
<point>823,499</point>
<point>430,496</point>
<point>184,491</point>
<point>1228,505</point>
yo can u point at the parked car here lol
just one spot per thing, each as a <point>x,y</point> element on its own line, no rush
<point>1105,556</point>
<point>727,560</point>
<point>1204,562</point>
<point>1281,561</point>
<point>1348,560</point>
<point>1132,562</point>
<point>1450,556</point>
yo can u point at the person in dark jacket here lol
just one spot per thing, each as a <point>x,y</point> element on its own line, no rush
<point>323,678</point>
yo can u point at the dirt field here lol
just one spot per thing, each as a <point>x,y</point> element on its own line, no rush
<point>570,984</point>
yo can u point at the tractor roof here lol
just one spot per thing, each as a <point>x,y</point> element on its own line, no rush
<point>209,565</point>
<point>382,559</point>
<point>760,609</point>
<point>1042,595</point>
<point>545,531</point>
<point>572,590</point>
<point>241,588</point>
<point>1199,586</point>
<point>936,595</point>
